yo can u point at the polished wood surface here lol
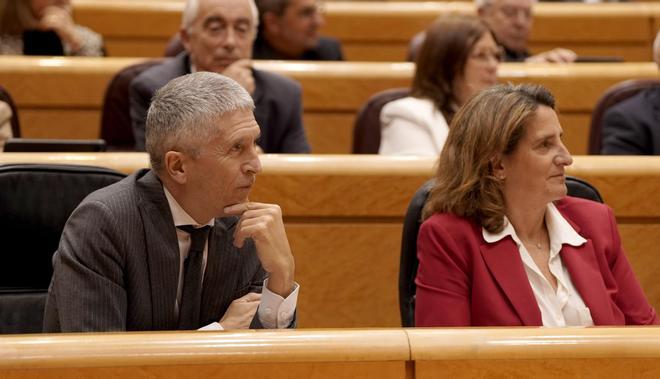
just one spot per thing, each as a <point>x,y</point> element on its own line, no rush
<point>344,217</point>
<point>324,353</point>
<point>536,352</point>
<point>249,354</point>
<point>62,97</point>
<point>380,31</point>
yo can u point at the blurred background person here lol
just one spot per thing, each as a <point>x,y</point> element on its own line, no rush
<point>289,29</point>
<point>5,123</point>
<point>458,58</point>
<point>632,127</point>
<point>217,36</point>
<point>511,22</point>
<point>502,244</point>
<point>44,27</point>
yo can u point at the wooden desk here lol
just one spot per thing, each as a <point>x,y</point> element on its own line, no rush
<point>62,97</point>
<point>535,352</point>
<point>249,354</point>
<point>380,31</point>
<point>326,353</point>
<point>344,217</point>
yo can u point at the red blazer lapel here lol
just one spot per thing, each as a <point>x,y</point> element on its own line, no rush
<point>586,277</point>
<point>503,261</point>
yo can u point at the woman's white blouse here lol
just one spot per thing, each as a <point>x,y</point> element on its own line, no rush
<point>563,307</point>
<point>412,126</point>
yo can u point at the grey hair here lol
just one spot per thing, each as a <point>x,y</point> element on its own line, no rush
<point>191,10</point>
<point>184,113</point>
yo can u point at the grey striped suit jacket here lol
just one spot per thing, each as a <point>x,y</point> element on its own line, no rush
<point>117,264</point>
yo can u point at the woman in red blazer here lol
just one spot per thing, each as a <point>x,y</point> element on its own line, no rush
<point>502,244</point>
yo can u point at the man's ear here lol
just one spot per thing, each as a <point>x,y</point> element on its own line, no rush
<point>185,38</point>
<point>175,166</point>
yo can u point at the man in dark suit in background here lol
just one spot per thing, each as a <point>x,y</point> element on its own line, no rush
<point>289,29</point>
<point>632,127</point>
<point>218,36</point>
<point>179,246</point>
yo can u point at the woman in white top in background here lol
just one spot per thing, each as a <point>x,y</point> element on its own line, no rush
<point>458,58</point>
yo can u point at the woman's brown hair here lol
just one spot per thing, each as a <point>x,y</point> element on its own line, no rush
<point>489,126</point>
<point>442,58</point>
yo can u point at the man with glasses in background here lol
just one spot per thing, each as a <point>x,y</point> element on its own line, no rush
<point>217,36</point>
<point>511,23</point>
<point>289,29</point>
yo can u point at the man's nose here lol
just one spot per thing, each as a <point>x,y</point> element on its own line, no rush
<point>230,39</point>
<point>253,165</point>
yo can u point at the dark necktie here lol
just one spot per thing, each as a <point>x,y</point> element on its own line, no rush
<point>191,295</point>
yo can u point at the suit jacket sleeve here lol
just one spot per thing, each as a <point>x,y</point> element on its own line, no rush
<point>443,278</point>
<point>295,139</point>
<point>630,297</point>
<point>87,292</point>
<point>140,94</point>
<point>622,135</point>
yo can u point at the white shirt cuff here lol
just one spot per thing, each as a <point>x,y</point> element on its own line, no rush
<point>212,326</point>
<point>276,312</point>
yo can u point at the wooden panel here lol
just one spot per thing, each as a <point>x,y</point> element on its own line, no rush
<point>380,31</point>
<point>60,123</point>
<point>62,97</point>
<point>248,354</point>
<point>536,352</point>
<point>362,370</point>
<point>128,47</point>
<point>348,273</point>
<point>375,51</point>
<point>640,242</point>
<point>330,133</point>
<point>539,368</point>
<point>343,216</point>
<point>576,131</point>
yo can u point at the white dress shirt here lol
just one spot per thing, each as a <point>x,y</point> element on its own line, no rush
<point>563,307</point>
<point>274,311</point>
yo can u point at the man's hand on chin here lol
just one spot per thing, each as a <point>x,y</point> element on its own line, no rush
<point>263,223</point>
<point>241,71</point>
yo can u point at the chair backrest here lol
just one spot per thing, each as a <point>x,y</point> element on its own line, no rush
<point>408,260</point>
<point>15,126</point>
<point>366,130</point>
<point>614,95</point>
<point>174,46</point>
<point>36,201</point>
<point>116,127</point>
<point>23,145</point>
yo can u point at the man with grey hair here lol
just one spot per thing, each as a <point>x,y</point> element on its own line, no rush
<point>179,246</point>
<point>289,29</point>
<point>632,127</point>
<point>217,36</point>
<point>511,23</point>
